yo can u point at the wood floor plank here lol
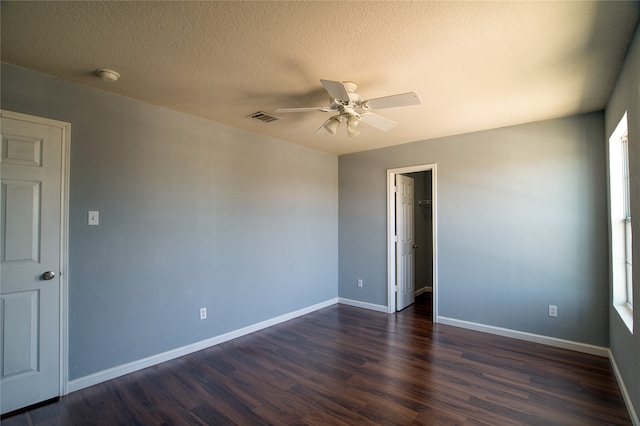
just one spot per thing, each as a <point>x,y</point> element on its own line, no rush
<point>347,366</point>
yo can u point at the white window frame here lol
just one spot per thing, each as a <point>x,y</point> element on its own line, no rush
<point>620,216</point>
<point>627,213</point>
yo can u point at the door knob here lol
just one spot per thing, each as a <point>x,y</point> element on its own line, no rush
<point>415,246</point>
<point>49,275</point>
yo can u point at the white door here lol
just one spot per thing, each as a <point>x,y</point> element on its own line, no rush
<point>405,246</point>
<point>30,250</point>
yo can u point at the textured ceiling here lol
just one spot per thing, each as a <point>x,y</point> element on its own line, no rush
<point>474,65</point>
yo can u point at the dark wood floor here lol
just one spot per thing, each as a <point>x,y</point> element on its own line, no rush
<point>348,366</point>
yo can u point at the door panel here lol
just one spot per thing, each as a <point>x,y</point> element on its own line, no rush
<point>30,244</point>
<point>405,246</point>
<point>20,311</point>
<point>22,216</point>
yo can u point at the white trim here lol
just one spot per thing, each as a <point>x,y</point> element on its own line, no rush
<point>625,313</point>
<point>363,305</point>
<point>425,289</point>
<point>391,240</point>
<point>529,337</point>
<point>623,390</point>
<point>65,159</point>
<point>391,218</point>
<point>121,370</point>
<point>64,261</point>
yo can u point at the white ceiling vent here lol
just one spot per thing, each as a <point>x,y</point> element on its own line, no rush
<point>264,117</point>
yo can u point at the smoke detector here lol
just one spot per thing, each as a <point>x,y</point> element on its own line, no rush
<point>108,75</point>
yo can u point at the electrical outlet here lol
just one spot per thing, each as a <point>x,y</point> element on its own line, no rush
<point>203,313</point>
<point>553,311</point>
<point>359,283</point>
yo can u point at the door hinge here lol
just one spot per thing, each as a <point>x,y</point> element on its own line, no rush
<point>395,238</point>
<point>395,288</point>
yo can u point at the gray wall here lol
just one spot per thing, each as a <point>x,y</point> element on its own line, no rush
<point>192,214</point>
<point>522,224</point>
<point>626,97</point>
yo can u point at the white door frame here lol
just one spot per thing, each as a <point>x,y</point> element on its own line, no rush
<point>391,244</point>
<point>65,129</point>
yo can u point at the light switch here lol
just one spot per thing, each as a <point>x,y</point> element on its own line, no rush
<point>94,217</point>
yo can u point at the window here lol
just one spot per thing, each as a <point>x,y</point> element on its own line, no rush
<point>621,240</point>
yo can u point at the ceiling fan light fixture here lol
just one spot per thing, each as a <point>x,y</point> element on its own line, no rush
<point>352,132</point>
<point>332,125</point>
<point>353,125</point>
<point>353,120</point>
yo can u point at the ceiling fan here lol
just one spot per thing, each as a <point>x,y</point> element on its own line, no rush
<point>353,109</point>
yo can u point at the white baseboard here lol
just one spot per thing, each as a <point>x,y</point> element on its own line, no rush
<point>425,289</point>
<point>530,337</point>
<point>623,390</point>
<point>364,305</point>
<point>121,370</point>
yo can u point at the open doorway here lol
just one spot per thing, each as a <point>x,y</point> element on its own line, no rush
<point>424,270</point>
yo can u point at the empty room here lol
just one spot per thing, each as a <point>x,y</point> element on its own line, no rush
<point>319,212</point>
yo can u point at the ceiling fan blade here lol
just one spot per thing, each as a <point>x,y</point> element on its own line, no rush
<point>377,121</point>
<point>322,129</point>
<point>306,109</point>
<point>333,128</point>
<point>336,90</point>
<point>404,99</point>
